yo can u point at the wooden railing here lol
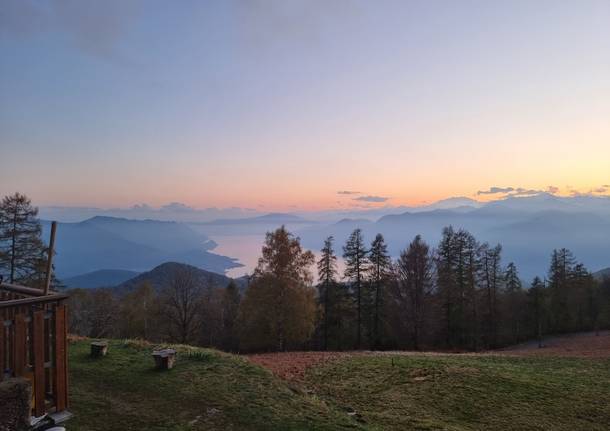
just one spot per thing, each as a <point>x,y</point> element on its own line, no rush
<point>33,344</point>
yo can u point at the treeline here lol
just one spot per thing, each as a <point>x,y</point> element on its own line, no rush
<point>458,295</point>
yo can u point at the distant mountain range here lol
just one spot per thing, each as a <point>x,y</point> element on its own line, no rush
<point>132,245</point>
<point>528,228</point>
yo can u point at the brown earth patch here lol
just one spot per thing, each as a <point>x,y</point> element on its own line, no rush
<point>293,365</point>
<point>580,345</point>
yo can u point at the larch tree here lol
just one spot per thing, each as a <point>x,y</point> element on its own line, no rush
<point>515,302</point>
<point>21,248</point>
<point>230,308</point>
<point>491,278</point>
<point>536,301</point>
<point>181,303</point>
<point>279,308</point>
<point>413,287</point>
<point>355,255</point>
<point>380,268</point>
<point>327,274</point>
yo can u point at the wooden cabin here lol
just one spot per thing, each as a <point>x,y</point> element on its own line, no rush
<point>33,344</point>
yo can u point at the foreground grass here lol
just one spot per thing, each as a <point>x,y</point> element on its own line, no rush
<point>207,390</point>
<point>215,391</point>
<point>468,392</point>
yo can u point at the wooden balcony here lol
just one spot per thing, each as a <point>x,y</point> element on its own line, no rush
<point>33,344</point>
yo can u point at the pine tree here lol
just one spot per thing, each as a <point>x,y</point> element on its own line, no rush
<point>327,272</point>
<point>380,269</point>
<point>355,255</point>
<point>21,249</point>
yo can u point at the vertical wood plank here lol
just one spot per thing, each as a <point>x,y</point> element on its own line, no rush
<point>38,342</point>
<point>61,359</point>
<point>19,346</point>
<point>2,347</point>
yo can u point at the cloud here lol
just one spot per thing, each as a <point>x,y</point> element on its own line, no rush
<point>347,192</point>
<point>371,199</point>
<point>552,189</point>
<point>495,190</point>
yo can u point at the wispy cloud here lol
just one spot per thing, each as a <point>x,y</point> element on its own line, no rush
<point>370,198</point>
<point>347,192</point>
<point>496,190</point>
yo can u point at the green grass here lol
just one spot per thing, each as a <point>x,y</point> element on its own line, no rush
<point>209,390</point>
<point>469,392</point>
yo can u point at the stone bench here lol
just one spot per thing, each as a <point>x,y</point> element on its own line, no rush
<point>164,358</point>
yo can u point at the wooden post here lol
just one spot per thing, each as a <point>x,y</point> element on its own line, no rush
<point>99,348</point>
<point>38,363</point>
<point>61,359</point>
<point>47,283</point>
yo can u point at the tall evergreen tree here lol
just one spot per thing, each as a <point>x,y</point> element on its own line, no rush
<point>355,256</point>
<point>21,249</point>
<point>380,268</point>
<point>327,273</point>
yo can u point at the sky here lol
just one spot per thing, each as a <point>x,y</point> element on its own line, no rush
<point>282,104</point>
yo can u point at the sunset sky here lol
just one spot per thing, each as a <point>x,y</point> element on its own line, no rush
<point>282,104</point>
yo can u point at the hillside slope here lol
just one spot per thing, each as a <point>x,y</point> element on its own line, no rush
<point>101,278</point>
<point>210,390</point>
<point>162,275</point>
<point>207,390</point>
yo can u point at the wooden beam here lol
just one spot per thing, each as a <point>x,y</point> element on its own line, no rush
<point>47,283</point>
<point>30,301</point>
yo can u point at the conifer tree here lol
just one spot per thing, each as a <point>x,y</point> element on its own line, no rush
<point>327,273</point>
<point>536,298</point>
<point>21,249</point>
<point>414,286</point>
<point>380,269</point>
<point>355,256</point>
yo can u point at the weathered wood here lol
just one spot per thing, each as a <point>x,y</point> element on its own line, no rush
<point>19,346</point>
<point>31,301</point>
<point>164,359</point>
<point>99,349</point>
<point>2,348</point>
<point>61,359</point>
<point>38,362</point>
<point>47,283</point>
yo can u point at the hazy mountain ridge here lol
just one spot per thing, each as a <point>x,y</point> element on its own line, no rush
<point>122,244</point>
